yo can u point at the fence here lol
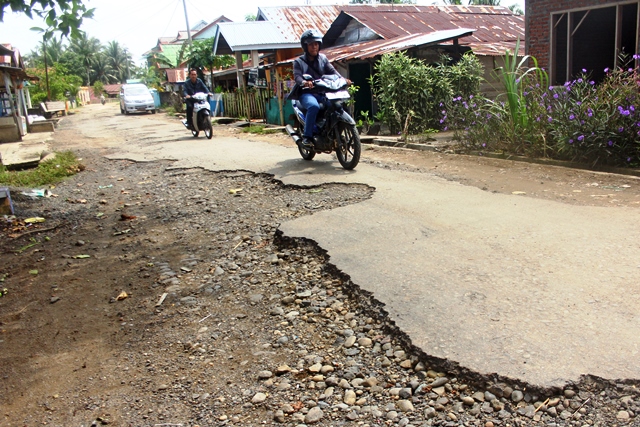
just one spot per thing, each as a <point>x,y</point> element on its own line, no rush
<point>246,103</point>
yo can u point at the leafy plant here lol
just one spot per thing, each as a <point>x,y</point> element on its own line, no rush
<point>409,91</point>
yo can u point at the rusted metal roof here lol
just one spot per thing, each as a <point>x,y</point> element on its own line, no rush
<point>292,21</point>
<point>495,26</point>
<point>373,48</point>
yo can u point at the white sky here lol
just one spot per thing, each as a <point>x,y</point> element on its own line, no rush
<point>137,24</point>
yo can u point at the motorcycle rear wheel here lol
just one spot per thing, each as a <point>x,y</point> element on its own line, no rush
<point>306,153</point>
<point>349,146</point>
<point>208,130</point>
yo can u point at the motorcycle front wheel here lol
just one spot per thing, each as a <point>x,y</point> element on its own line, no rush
<point>206,125</point>
<point>349,146</point>
<point>195,133</point>
<point>306,153</point>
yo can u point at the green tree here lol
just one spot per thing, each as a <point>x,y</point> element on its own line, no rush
<point>119,60</point>
<point>250,17</point>
<point>64,16</point>
<point>60,82</point>
<point>200,55</point>
<point>516,9</point>
<point>87,49</point>
<point>55,49</point>
<point>101,69</point>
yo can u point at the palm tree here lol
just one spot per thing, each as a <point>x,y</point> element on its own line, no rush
<point>102,70</point>
<point>54,48</point>
<point>119,59</point>
<point>87,49</point>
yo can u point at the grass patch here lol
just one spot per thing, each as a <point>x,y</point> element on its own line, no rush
<point>52,171</point>
<point>259,129</point>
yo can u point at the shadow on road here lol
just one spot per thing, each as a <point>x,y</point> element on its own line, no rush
<point>297,166</point>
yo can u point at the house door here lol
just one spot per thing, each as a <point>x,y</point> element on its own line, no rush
<point>359,74</point>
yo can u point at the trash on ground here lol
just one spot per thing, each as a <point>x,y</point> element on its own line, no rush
<point>117,233</point>
<point>123,295</point>
<point>124,217</point>
<point>83,256</point>
<point>34,220</point>
<point>37,193</point>
<point>235,190</point>
<point>34,272</point>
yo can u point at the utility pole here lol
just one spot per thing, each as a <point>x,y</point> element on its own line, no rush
<point>184,4</point>
<point>46,68</point>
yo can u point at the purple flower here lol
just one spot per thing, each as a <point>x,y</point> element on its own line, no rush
<point>555,96</point>
<point>579,80</point>
<point>581,138</point>
<point>610,143</point>
<point>584,70</point>
<point>620,129</point>
<point>592,82</point>
<point>549,119</point>
<point>628,159</point>
<point>550,87</point>
<point>484,144</point>
<point>606,70</point>
<point>571,117</point>
<point>571,141</point>
<point>445,128</point>
<point>636,56</point>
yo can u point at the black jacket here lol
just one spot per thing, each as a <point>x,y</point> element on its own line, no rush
<point>193,88</point>
<point>316,67</point>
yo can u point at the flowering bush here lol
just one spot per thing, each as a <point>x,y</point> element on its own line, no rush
<point>579,121</point>
<point>408,91</point>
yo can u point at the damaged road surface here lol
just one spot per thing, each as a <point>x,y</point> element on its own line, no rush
<point>189,282</point>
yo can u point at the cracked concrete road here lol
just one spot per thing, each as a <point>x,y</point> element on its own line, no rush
<point>530,289</point>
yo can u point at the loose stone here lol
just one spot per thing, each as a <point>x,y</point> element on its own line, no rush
<point>405,406</point>
<point>259,398</point>
<point>314,415</point>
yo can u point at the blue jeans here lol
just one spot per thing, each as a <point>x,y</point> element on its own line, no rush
<point>311,103</point>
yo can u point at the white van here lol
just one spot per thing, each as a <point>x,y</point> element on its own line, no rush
<point>135,97</point>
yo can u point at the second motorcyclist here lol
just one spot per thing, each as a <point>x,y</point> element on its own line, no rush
<point>315,64</point>
<point>192,86</point>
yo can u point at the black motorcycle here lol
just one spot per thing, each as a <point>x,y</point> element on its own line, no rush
<point>335,130</point>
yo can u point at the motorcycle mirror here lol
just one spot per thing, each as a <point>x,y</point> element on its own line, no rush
<point>307,77</point>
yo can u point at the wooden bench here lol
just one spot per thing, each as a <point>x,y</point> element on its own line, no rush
<point>50,108</point>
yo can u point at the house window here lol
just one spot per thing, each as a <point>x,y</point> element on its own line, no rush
<point>593,39</point>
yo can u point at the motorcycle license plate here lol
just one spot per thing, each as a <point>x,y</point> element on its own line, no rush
<point>342,94</point>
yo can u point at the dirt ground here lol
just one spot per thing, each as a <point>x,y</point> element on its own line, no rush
<point>153,296</point>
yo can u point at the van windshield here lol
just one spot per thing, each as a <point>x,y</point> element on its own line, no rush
<point>136,90</point>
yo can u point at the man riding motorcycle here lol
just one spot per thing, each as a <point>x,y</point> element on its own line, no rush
<point>190,88</point>
<point>316,64</point>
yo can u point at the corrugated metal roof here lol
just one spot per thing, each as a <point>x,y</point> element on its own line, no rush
<point>252,35</point>
<point>375,48</point>
<point>292,21</point>
<point>494,25</point>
